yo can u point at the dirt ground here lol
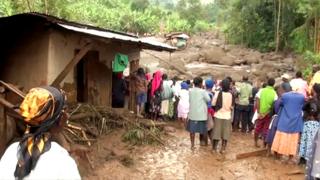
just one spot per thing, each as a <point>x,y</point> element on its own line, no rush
<point>113,159</point>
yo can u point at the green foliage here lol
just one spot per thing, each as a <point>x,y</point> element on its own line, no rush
<point>300,40</point>
<point>6,8</point>
<point>175,23</point>
<point>254,23</point>
<point>136,16</point>
<point>202,26</point>
<point>310,59</point>
<point>140,136</point>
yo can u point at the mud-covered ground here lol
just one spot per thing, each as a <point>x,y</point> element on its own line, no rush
<point>113,159</point>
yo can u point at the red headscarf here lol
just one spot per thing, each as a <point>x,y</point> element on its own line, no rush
<point>156,82</point>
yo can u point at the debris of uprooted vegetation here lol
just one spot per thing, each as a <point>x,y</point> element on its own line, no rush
<point>87,123</point>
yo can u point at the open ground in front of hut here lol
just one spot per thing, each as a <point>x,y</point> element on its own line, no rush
<point>111,158</point>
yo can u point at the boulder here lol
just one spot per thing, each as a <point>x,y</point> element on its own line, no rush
<point>240,61</point>
<point>213,55</point>
<point>192,58</point>
<point>227,60</point>
<point>252,58</point>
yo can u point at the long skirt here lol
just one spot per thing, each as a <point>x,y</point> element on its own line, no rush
<point>310,128</point>
<point>197,126</point>
<point>262,126</point>
<point>164,107</point>
<point>285,143</point>
<point>272,129</point>
<point>171,108</point>
<point>221,129</point>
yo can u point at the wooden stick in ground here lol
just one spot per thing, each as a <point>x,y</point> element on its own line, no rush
<point>86,138</point>
<point>68,138</point>
<point>295,172</point>
<point>73,133</point>
<point>13,89</point>
<point>74,127</point>
<point>89,160</point>
<point>251,154</point>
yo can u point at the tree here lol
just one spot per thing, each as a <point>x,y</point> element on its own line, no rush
<point>278,25</point>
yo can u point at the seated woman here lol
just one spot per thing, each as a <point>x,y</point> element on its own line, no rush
<point>36,156</point>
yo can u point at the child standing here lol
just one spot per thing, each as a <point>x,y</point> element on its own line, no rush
<point>310,128</point>
<point>183,106</point>
<point>198,110</point>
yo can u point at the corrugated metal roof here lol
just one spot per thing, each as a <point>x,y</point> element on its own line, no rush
<point>99,32</point>
<point>111,35</point>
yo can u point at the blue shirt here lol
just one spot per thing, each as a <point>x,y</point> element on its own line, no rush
<point>290,118</point>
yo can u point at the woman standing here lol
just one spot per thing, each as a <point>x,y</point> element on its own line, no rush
<point>223,101</point>
<point>119,89</point>
<point>183,106</point>
<point>313,157</point>
<point>283,88</point>
<point>198,110</point>
<point>36,156</point>
<point>310,128</point>
<point>290,124</point>
<point>155,95</point>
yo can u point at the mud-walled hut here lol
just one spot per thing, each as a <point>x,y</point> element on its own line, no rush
<point>38,49</point>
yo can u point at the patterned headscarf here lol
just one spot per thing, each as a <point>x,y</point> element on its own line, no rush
<point>42,109</point>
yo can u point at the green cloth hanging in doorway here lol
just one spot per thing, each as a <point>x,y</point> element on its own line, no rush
<point>120,62</point>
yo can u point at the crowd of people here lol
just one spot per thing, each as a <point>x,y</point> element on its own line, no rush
<point>284,116</point>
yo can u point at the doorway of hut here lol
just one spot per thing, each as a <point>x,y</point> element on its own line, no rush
<point>93,79</point>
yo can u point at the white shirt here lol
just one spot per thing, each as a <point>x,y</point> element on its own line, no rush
<point>184,97</point>
<point>53,164</point>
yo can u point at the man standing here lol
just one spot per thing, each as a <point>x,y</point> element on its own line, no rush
<point>265,100</point>
<point>301,84</point>
<point>242,108</point>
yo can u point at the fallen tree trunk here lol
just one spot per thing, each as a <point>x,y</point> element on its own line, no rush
<point>251,154</point>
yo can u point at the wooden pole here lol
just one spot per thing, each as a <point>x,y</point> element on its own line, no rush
<point>3,130</point>
<point>13,89</point>
<point>83,51</point>
<point>315,33</point>
<point>278,27</point>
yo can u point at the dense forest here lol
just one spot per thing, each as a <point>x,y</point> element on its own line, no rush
<point>273,25</point>
<point>136,16</point>
<point>266,25</point>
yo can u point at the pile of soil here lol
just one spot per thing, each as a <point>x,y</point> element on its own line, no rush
<point>205,50</point>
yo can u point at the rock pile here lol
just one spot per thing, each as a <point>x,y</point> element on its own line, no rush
<point>208,56</point>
